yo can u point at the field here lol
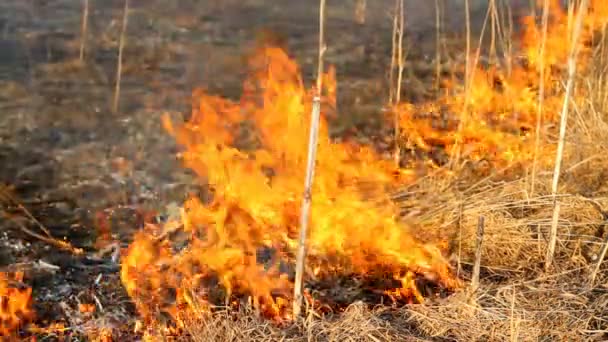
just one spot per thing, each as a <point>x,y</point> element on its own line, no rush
<point>151,178</point>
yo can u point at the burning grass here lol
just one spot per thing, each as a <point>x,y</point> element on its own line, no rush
<point>241,243</point>
<point>237,250</point>
<point>224,269</point>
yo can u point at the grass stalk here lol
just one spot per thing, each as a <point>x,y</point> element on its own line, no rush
<point>574,49</point>
<point>310,166</point>
<point>438,10</point>
<point>455,153</point>
<point>541,93</point>
<point>478,246</point>
<point>391,94</point>
<point>400,64</point>
<point>121,45</point>
<point>84,28</point>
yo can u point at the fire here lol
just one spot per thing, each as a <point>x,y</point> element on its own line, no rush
<point>239,247</point>
<point>242,243</point>
<point>15,304</point>
<point>496,120</point>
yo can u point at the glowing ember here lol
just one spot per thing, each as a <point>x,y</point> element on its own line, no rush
<point>241,244</point>
<point>15,304</point>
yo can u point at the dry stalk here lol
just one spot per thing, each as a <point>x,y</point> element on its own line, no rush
<point>507,43</point>
<point>479,242</point>
<point>360,11</point>
<point>438,12</point>
<point>600,260</point>
<point>574,49</point>
<point>400,64</point>
<point>455,153</point>
<point>121,46</point>
<point>541,93</point>
<point>84,28</point>
<point>460,223</point>
<point>493,27</point>
<point>7,196</point>
<point>310,166</point>
<point>391,94</point>
<point>50,240</point>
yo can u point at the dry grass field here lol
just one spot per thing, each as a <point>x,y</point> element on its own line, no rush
<point>153,157</point>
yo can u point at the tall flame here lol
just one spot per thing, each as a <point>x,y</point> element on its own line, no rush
<point>254,212</point>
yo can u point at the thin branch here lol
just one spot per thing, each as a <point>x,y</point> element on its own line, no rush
<point>312,152</point>
<point>121,46</point>
<point>84,28</point>
<point>50,240</point>
<point>391,94</point>
<point>400,64</point>
<point>7,196</point>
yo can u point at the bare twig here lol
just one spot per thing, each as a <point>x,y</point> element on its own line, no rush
<point>400,64</point>
<point>600,260</point>
<point>84,28</point>
<point>50,240</point>
<point>121,45</point>
<point>312,151</point>
<point>9,198</point>
<point>438,10</point>
<point>477,265</point>
<point>574,49</point>
<point>391,94</point>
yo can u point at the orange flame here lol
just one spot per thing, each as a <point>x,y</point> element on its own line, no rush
<point>243,241</point>
<point>15,304</point>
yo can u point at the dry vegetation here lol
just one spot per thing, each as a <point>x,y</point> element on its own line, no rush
<point>493,228</point>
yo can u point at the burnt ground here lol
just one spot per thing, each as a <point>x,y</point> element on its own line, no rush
<point>76,165</point>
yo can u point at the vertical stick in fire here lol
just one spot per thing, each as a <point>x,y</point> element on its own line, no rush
<point>310,166</point>
<point>121,45</point>
<point>574,49</point>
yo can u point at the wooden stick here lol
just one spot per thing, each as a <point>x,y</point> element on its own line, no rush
<point>391,94</point>
<point>438,45</point>
<point>121,46</point>
<point>562,132</point>
<point>400,64</point>
<point>312,152</point>
<point>477,265</point>
<point>84,28</point>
